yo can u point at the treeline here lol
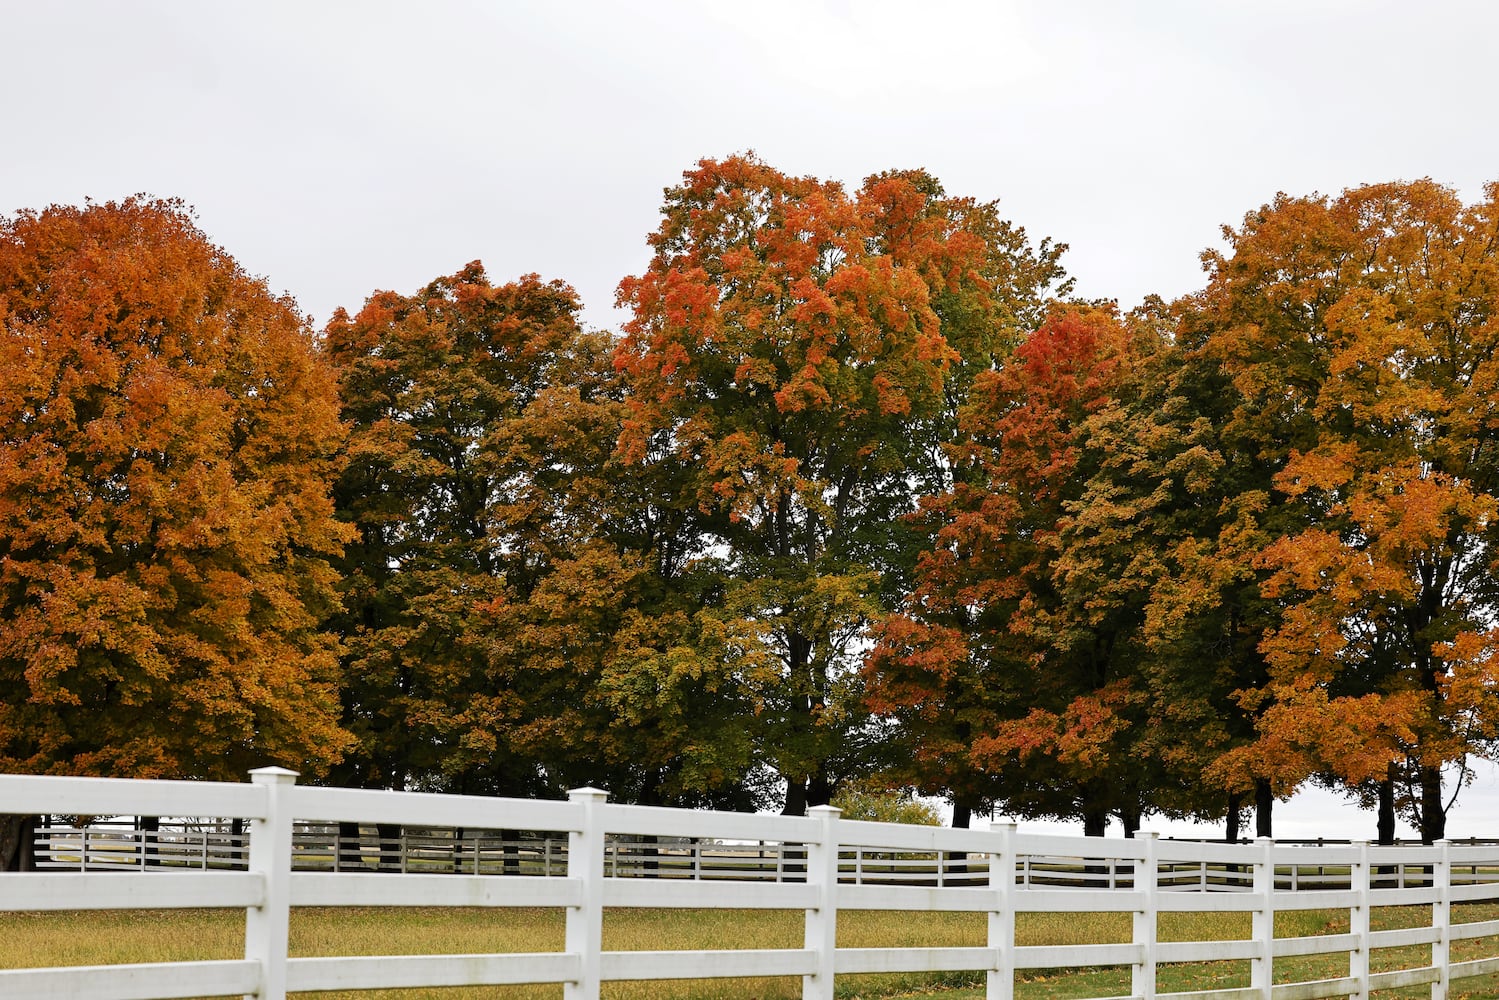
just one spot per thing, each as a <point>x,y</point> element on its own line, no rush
<point>859,490</point>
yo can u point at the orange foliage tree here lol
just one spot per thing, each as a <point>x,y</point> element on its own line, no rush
<point>168,444</point>
<point>1360,334</point>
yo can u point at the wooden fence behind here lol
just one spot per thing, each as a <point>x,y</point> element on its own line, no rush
<point>824,865</point>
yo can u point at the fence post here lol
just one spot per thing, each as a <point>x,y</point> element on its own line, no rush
<point>1441,917</point>
<point>270,858</point>
<point>1001,978</point>
<point>1147,882</point>
<point>1360,880</point>
<point>585,922</point>
<point>1261,976</point>
<point>822,922</point>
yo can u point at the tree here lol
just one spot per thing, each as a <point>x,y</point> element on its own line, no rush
<point>1008,696</point>
<point>169,438</point>
<point>615,642</point>
<point>787,351</point>
<point>1359,333</point>
<point>426,381</point>
<point>523,613</point>
<point>1158,548</point>
<point>873,803</point>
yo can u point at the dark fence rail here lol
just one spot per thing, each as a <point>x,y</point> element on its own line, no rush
<point>205,844</point>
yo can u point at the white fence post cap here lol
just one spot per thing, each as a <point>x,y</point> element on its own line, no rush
<point>587,793</point>
<point>278,775</point>
<point>824,811</point>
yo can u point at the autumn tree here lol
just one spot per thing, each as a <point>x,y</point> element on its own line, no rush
<point>612,633</point>
<point>789,348</point>
<point>1158,549</point>
<point>426,379</point>
<point>1359,333</point>
<point>1049,707</point>
<point>169,438</point>
<point>518,603</point>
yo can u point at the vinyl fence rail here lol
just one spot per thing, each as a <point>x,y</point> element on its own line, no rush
<point>827,865</point>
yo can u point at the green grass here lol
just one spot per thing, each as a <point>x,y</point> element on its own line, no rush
<point>107,937</point>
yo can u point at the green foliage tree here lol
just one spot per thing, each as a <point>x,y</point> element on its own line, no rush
<point>1155,548</point>
<point>864,800</point>
<point>522,612</point>
<point>426,381</point>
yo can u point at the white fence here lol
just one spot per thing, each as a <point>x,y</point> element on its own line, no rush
<point>828,865</point>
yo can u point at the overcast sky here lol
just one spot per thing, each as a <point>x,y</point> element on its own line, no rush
<point>338,147</point>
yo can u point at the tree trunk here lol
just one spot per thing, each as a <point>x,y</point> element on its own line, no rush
<point>347,849</point>
<point>1095,822</point>
<point>1264,804</point>
<point>390,846</point>
<point>17,843</point>
<point>1433,816</point>
<point>793,859</point>
<point>796,797</point>
<point>1385,828</point>
<point>1129,818</point>
<point>1231,824</point>
<point>819,789</point>
<point>962,819</point>
<point>510,851</point>
<point>651,795</point>
<point>150,827</point>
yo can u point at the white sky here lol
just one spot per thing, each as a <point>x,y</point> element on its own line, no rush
<point>341,147</point>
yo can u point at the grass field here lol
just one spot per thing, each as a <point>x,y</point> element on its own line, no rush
<point>95,938</point>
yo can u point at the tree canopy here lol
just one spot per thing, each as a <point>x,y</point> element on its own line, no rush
<point>789,348</point>
<point>168,434</point>
<point>859,497</point>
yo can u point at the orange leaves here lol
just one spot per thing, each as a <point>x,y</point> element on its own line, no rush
<point>163,502</point>
<point>1030,410</point>
<point>1327,469</point>
<point>1355,330</point>
<point>911,663</point>
<point>1307,731</point>
<point>1083,735</point>
<point>799,304</point>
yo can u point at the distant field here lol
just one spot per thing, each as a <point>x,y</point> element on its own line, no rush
<point>95,938</point>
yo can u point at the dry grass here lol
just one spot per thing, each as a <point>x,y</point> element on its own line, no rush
<point>97,938</point>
